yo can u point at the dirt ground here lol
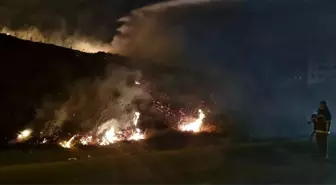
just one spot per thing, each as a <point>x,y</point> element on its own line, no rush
<point>253,163</point>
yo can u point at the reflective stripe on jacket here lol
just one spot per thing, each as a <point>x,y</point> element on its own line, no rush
<point>322,132</point>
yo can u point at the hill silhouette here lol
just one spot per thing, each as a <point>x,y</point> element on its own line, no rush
<point>31,71</point>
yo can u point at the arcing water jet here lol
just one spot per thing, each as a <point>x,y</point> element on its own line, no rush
<point>138,31</point>
<point>55,30</point>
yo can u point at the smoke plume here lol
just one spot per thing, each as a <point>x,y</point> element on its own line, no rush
<point>92,102</point>
<point>146,32</point>
<point>82,25</point>
<point>90,26</point>
<point>249,52</point>
<point>253,55</point>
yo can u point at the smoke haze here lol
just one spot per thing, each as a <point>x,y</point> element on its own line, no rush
<point>87,26</point>
<point>252,54</point>
<point>92,102</point>
<point>83,25</point>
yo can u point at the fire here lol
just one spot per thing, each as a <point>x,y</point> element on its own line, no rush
<point>194,126</point>
<point>67,144</point>
<point>108,132</point>
<point>109,137</point>
<point>86,140</point>
<point>44,141</point>
<point>24,135</point>
<point>137,135</point>
<point>136,118</point>
<point>75,42</point>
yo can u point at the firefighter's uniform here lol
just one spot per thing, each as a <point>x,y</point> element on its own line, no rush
<point>322,129</point>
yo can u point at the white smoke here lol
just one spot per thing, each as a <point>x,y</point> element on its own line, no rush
<point>92,103</point>
<point>74,26</point>
<point>147,36</point>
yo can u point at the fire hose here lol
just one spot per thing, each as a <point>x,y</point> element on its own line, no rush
<point>312,136</point>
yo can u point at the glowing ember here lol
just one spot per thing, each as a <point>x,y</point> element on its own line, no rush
<point>106,134</point>
<point>24,135</point>
<point>44,141</point>
<point>194,126</point>
<point>67,144</point>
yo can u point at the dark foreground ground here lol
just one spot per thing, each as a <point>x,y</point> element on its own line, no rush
<point>266,163</point>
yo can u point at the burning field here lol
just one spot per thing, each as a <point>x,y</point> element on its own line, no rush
<point>124,124</point>
<point>122,103</point>
<point>107,133</point>
<point>74,42</point>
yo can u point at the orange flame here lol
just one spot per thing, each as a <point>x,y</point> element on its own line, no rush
<point>194,126</point>
<point>75,42</point>
<point>24,135</point>
<point>86,140</point>
<point>137,135</point>
<point>68,144</point>
<point>136,118</point>
<point>109,137</point>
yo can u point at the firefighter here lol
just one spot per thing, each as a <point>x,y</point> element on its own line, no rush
<point>322,128</point>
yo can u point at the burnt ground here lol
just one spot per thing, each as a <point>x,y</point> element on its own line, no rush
<point>286,162</point>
